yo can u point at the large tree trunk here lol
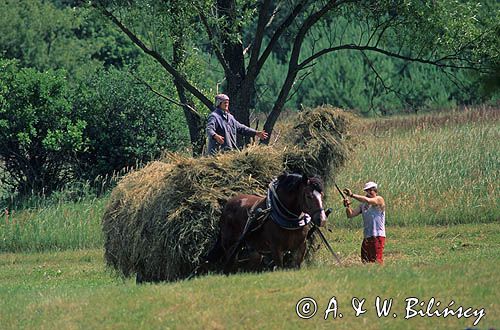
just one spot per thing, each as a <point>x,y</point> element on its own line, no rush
<point>240,92</point>
<point>196,124</point>
<point>241,95</point>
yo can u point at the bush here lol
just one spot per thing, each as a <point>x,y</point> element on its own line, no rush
<point>126,124</point>
<point>51,135</point>
<point>39,133</point>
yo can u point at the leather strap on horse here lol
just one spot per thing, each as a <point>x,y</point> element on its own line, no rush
<point>280,207</point>
<point>281,215</point>
<point>253,216</point>
<point>328,246</point>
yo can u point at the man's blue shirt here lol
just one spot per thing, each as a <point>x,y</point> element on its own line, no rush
<point>224,124</point>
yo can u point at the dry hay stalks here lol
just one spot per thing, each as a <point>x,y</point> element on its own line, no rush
<point>162,219</point>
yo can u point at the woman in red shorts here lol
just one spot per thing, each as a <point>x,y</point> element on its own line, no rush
<point>372,208</point>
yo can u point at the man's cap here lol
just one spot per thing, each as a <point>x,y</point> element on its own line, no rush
<point>219,98</point>
<point>369,185</point>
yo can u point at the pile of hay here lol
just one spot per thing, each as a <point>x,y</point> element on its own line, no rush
<point>161,219</point>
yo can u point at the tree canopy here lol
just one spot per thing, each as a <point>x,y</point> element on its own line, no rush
<point>242,35</point>
<point>125,80</point>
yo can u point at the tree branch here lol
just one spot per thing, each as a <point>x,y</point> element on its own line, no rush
<point>378,78</point>
<point>157,56</point>
<point>211,36</point>
<point>293,66</point>
<point>441,62</point>
<point>253,72</point>
<point>273,15</point>
<point>301,80</point>
<point>309,22</point>
<point>148,86</point>
<point>259,33</point>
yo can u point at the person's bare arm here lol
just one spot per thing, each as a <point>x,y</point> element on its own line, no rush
<point>377,200</point>
<point>350,212</point>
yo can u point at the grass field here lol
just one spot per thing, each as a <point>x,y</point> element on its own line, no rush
<point>73,290</point>
<point>440,170</point>
<point>439,175</point>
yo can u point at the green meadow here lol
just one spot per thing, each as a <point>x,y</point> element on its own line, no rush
<point>439,176</point>
<point>74,290</point>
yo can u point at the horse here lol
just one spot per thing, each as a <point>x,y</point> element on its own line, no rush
<point>257,231</point>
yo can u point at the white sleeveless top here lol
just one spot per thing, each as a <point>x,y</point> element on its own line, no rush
<point>373,220</point>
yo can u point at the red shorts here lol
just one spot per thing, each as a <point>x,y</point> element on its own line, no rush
<point>372,249</point>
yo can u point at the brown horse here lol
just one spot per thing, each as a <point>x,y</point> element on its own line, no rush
<point>256,232</point>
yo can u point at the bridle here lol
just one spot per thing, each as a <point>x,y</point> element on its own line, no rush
<point>318,210</point>
<point>281,214</point>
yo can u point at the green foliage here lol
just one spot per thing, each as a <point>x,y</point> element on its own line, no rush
<point>70,34</point>
<point>370,83</point>
<point>39,132</point>
<point>44,36</point>
<point>450,28</point>
<point>111,122</point>
<point>127,125</point>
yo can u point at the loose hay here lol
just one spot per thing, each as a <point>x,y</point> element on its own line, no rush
<point>161,219</point>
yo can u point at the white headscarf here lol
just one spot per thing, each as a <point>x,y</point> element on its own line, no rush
<point>219,98</point>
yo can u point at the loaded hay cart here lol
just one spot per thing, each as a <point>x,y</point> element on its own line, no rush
<point>161,219</point>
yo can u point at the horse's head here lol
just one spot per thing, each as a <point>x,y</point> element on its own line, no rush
<point>305,194</point>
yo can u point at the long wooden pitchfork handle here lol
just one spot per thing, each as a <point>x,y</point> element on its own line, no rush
<point>340,191</point>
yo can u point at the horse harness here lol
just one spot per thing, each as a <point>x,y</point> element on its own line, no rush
<point>278,213</point>
<point>275,210</point>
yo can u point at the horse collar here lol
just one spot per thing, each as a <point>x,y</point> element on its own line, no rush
<point>281,215</point>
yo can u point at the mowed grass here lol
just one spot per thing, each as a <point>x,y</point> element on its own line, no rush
<point>74,290</point>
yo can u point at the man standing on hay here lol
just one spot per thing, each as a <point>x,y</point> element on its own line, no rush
<point>222,127</point>
<point>372,208</point>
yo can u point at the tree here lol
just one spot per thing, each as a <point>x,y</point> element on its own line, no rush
<point>126,124</point>
<point>51,135</point>
<point>44,36</point>
<point>243,34</point>
<point>346,79</point>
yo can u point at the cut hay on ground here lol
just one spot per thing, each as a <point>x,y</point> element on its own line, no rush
<point>161,219</point>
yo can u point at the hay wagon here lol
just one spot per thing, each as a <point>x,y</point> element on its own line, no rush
<point>163,218</point>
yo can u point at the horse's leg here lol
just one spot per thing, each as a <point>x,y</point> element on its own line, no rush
<point>229,267</point>
<point>299,255</point>
<point>231,256</point>
<point>229,239</point>
<point>277,255</point>
<point>255,262</point>
<point>216,252</point>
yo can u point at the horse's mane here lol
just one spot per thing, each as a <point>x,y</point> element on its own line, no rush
<point>290,182</point>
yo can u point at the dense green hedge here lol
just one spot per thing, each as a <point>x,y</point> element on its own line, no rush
<point>51,134</point>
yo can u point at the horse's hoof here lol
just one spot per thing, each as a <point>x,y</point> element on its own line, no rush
<point>139,278</point>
